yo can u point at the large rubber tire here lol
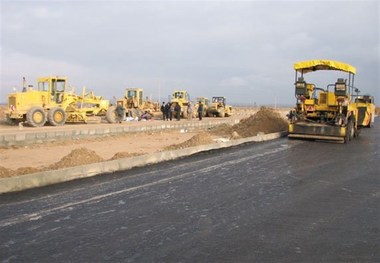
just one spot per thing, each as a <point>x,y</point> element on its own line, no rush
<point>36,117</point>
<point>222,113</point>
<point>350,131</point>
<point>111,114</point>
<point>57,116</point>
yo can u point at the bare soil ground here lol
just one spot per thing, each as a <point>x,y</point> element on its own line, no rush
<point>55,155</point>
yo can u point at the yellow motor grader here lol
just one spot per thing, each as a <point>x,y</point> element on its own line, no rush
<point>133,105</point>
<point>325,113</point>
<point>52,102</point>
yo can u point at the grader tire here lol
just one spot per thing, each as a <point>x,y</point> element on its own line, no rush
<point>36,117</point>
<point>57,116</point>
<point>111,114</point>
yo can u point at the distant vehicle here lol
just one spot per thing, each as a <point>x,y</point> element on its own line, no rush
<point>219,108</point>
<point>182,98</point>
<point>134,105</point>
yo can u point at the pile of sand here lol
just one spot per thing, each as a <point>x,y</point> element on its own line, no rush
<point>199,139</point>
<point>80,156</point>
<point>121,155</point>
<point>265,121</point>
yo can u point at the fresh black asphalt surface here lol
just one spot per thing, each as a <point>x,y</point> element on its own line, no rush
<point>278,201</point>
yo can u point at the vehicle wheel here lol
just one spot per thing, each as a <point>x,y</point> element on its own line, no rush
<point>221,114</point>
<point>36,117</point>
<point>111,114</point>
<point>210,114</point>
<point>57,116</point>
<point>349,131</point>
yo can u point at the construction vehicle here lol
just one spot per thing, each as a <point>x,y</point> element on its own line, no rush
<point>206,103</point>
<point>219,108</point>
<point>366,110</point>
<point>52,102</point>
<point>133,104</point>
<point>324,113</point>
<point>182,98</point>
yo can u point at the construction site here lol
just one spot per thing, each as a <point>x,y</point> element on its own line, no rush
<point>56,154</point>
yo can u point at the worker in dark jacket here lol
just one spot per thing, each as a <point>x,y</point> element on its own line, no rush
<point>163,111</point>
<point>178,111</point>
<point>200,111</point>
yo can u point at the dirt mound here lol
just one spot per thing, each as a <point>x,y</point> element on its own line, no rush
<point>266,120</point>
<point>121,155</point>
<point>199,139</point>
<point>4,172</point>
<point>77,157</point>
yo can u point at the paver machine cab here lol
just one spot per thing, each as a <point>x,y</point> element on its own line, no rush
<point>182,98</point>
<point>324,113</point>
<point>52,103</point>
<point>219,108</point>
<point>133,105</point>
<point>366,110</point>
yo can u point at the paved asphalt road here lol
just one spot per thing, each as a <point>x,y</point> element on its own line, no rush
<point>279,201</point>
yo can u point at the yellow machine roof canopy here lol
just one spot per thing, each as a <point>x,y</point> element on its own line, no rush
<point>314,65</point>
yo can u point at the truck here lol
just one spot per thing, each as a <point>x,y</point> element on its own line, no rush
<point>324,113</point>
<point>52,102</point>
<point>219,107</point>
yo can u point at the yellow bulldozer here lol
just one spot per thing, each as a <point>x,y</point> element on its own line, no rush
<point>182,98</point>
<point>205,102</point>
<point>52,103</point>
<point>324,113</point>
<point>133,105</point>
<point>219,108</point>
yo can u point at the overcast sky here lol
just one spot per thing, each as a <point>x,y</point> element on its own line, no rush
<point>244,50</point>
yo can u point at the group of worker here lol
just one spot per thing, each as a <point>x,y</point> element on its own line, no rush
<point>173,110</point>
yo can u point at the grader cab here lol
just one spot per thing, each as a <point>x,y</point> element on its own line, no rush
<point>324,113</point>
<point>52,102</point>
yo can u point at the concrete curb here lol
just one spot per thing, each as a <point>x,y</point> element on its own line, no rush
<point>23,182</point>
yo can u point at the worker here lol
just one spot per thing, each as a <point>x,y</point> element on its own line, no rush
<point>163,111</point>
<point>189,112</point>
<point>167,111</point>
<point>119,113</point>
<point>178,111</point>
<point>200,111</point>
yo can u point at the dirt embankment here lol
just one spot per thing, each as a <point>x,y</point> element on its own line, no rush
<point>264,121</point>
